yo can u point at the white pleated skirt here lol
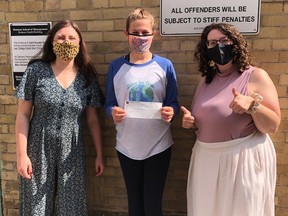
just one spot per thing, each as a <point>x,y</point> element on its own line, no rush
<point>233,178</point>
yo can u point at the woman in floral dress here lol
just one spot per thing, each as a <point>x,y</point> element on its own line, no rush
<point>59,87</point>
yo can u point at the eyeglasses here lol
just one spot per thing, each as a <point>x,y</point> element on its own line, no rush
<point>143,34</point>
<point>221,41</point>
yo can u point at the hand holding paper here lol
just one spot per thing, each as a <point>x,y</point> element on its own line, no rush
<point>118,114</point>
<point>167,113</point>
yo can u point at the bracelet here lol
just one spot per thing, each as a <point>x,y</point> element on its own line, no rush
<point>255,105</point>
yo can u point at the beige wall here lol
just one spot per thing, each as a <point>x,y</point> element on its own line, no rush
<point>102,23</point>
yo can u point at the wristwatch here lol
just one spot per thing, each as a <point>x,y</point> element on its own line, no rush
<point>255,105</point>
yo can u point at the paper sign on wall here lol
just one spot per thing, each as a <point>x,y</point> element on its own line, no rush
<point>26,40</point>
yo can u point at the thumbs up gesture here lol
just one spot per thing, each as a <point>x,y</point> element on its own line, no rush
<point>188,121</point>
<point>240,103</point>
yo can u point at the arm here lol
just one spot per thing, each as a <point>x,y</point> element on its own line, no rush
<point>170,107</point>
<point>268,118</point>
<point>95,132</point>
<point>111,100</point>
<point>111,106</point>
<point>24,165</point>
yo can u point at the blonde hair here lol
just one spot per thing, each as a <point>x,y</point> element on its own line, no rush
<point>138,14</point>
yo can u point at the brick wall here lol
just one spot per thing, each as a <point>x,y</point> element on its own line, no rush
<point>102,23</point>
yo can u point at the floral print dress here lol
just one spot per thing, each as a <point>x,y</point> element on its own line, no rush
<point>55,142</point>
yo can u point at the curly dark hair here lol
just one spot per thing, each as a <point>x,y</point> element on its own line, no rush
<point>82,60</point>
<point>241,54</point>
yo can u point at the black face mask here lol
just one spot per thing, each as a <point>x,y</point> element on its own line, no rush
<point>220,54</point>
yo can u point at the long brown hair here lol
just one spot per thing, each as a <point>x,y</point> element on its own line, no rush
<point>241,54</point>
<point>82,60</point>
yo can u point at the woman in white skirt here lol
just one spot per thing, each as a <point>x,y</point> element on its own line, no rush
<point>233,164</point>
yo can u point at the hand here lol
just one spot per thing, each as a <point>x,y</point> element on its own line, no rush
<point>24,166</point>
<point>240,103</point>
<point>167,113</point>
<point>118,114</point>
<point>188,121</point>
<point>99,166</point>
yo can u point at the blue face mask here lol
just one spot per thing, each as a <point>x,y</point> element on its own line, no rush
<point>220,54</point>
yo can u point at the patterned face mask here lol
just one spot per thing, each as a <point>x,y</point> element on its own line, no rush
<point>140,44</point>
<point>65,50</point>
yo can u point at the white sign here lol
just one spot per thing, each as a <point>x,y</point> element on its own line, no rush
<point>26,40</point>
<point>183,17</point>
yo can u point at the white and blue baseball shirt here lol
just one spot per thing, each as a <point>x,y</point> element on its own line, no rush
<point>153,81</point>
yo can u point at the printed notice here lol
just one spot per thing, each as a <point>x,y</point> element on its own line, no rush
<point>182,17</point>
<point>144,110</point>
<point>26,40</point>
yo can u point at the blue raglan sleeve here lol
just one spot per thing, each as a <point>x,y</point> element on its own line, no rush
<point>171,98</point>
<point>111,100</point>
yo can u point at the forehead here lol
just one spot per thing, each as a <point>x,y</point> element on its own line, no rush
<point>215,34</point>
<point>141,24</point>
<point>68,30</point>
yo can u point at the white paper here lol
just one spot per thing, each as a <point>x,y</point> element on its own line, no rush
<point>144,110</point>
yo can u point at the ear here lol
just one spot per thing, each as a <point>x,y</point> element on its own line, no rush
<point>126,33</point>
